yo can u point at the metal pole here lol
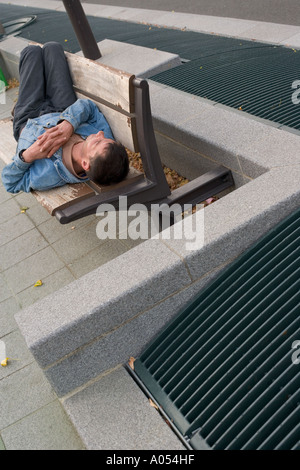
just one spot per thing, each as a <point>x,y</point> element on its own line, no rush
<point>82,29</point>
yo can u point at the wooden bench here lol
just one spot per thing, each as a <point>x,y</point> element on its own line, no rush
<point>124,100</point>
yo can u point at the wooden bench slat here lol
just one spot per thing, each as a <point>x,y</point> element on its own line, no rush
<point>60,198</point>
<point>65,196</point>
<point>112,85</point>
<point>122,126</point>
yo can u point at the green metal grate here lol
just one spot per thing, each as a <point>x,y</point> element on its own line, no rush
<point>257,80</point>
<point>222,371</point>
<point>245,75</point>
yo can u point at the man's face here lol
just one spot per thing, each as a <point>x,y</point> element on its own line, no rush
<point>96,144</point>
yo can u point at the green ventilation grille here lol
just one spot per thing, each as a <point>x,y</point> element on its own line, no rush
<point>222,371</point>
<point>246,75</point>
<point>257,80</point>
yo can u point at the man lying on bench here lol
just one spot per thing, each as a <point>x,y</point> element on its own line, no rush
<point>60,139</point>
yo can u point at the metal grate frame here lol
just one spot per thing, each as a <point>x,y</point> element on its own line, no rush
<point>222,371</point>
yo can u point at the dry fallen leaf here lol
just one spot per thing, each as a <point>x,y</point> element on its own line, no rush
<point>5,361</point>
<point>131,362</point>
<point>38,283</point>
<point>173,178</point>
<point>24,209</point>
<point>153,404</point>
<point>210,200</point>
<point>13,83</point>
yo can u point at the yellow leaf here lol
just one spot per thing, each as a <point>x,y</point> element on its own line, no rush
<point>153,404</point>
<point>38,283</point>
<point>131,362</point>
<point>4,362</point>
<point>24,209</point>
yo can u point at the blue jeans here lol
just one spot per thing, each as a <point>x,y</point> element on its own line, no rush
<point>45,84</point>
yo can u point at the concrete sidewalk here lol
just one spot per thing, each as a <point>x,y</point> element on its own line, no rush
<point>33,246</point>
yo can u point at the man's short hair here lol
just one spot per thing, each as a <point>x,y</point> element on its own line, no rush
<point>112,167</point>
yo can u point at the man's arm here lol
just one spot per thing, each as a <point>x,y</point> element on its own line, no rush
<point>53,139</point>
<point>81,111</point>
<point>19,175</point>
<point>16,176</point>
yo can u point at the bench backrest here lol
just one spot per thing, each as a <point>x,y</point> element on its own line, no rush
<point>94,80</point>
<point>124,101</point>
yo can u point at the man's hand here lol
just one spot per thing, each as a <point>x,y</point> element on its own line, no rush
<point>54,138</point>
<point>34,152</point>
<point>49,142</point>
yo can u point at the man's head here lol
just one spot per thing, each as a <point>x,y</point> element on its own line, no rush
<point>106,160</point>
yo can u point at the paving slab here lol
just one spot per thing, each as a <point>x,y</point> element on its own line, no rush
<point>36,267</point>
<point>51,284</point>
<point>8,308</point>
<point>49,428</point>
<point>18,353</point>
<point>20,248</point>
<point>8,210</point>
<point>96,288</point>
<point>5,292</point>
<point>27,390</point>
<point>114,414</point>
<point>104,253</point>
<point>14,228</point>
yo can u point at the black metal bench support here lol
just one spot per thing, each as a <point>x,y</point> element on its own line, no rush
<point>154,188</point>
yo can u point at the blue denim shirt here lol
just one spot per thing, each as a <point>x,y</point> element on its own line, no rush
<point>48,173</point>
